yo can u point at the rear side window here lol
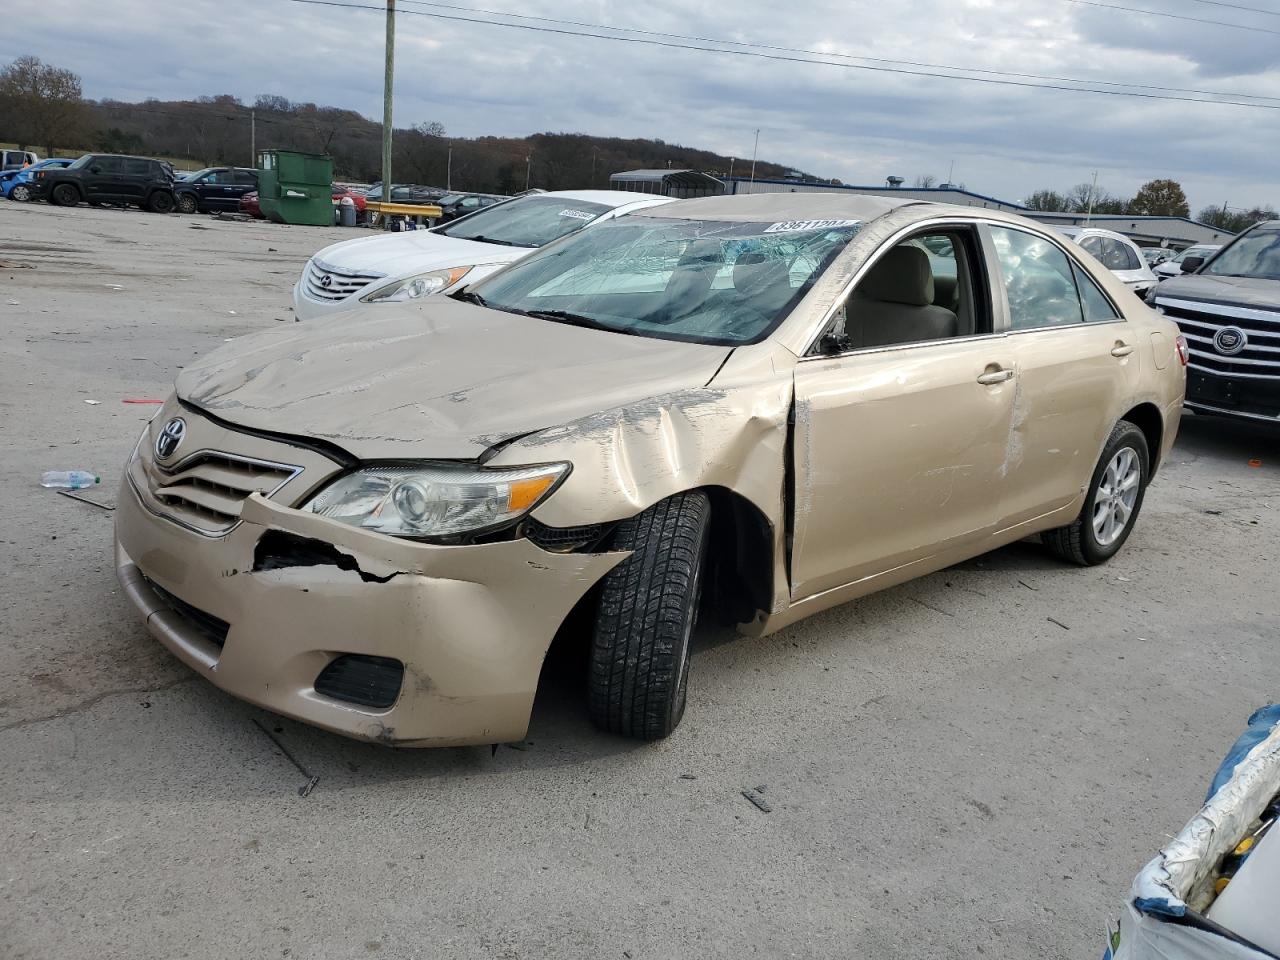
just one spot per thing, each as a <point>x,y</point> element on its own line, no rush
<point>1038,280</point>
<point>246,178</point>
<point>1095,303</point>
<point>138,168</point>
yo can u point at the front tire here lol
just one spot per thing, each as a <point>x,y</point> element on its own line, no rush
<point>187,203</point>
<point>65,195</point>
<point>648,608</point>
<point>21,193</point>
<point>1111,508</point>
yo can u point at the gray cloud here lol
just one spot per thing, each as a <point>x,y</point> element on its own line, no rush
<point>854,124</point>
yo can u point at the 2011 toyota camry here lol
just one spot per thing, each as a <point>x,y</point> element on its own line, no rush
<point>762,406</point>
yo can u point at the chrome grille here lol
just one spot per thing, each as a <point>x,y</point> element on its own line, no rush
<point>1200,322</point>
<point>205,491</point>
<point>341,283</point>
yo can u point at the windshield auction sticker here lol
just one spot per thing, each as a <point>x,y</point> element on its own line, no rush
<point>792,226</point>
<point>578,214</point>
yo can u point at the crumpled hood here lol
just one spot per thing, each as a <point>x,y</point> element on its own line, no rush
<point>1237,291</point>
<point>440,379</point>
<point>414,251</point>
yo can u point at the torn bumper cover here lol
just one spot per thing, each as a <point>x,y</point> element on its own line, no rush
<point>286,597</point>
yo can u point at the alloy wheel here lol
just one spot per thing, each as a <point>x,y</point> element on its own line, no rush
<point>1117,493</point>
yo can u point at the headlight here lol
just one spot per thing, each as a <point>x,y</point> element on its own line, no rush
<point>435,500</point>
<point>413,288</point>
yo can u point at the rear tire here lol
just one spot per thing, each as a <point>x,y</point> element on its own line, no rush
<point>187,203</point>
<point>647,612</point>
<point>65,195</point>
<point>1111,508</point>
<point>160,202</point>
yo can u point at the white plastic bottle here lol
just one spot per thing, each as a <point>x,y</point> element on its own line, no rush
<point>68,479</point>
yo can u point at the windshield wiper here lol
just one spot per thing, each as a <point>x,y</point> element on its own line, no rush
<point>574,319</point>
<point>470,297</point>
<point>481,238</point>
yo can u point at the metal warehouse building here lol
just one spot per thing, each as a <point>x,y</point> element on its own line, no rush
<point>670,183</point>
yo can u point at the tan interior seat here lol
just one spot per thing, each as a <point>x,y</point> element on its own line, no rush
<point>894,303</point>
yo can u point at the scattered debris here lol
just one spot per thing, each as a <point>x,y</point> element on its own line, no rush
<point>93,403</point>
<point>1214,513</point>
<point>306,788</point>
<point>1058,622</point>
<point>1123,580</point>
<point>1255,462</point>
<point>6,265</point>
<point>140,400</point>
<point>759,802</point>
<point>14,303</point>
<point>114,286</point>
<point>232,312</point>
<point>1027,585</point>
<point>688,776</point>
<point>76,496</point>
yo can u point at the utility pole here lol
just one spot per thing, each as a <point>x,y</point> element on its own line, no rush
<point>1093,192</point>
<point>388,86</point>
<point>448,170</point>
<point>594,152</point>
<point>528,166</point>
<point>253,137</point>
<point>753,161</point>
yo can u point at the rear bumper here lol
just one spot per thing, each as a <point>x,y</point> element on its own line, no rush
<point>471,624</point>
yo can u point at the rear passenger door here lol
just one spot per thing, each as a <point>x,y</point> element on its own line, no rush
<point>1076,365</point>
<point>902,416</point>
<point>136,178</point>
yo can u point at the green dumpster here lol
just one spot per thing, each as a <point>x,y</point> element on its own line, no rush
<point>296,187</point>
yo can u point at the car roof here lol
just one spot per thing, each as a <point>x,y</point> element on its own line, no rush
<point>1075,232</point>
<point>763,207</point>
<point>609,198</point>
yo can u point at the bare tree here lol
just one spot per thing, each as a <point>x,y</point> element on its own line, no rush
<point>42,105</point>
<point>926,181</point>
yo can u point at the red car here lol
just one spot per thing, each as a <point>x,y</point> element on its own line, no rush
<point>249,202</point>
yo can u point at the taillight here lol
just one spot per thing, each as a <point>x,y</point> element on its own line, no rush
<point>1180,345</point>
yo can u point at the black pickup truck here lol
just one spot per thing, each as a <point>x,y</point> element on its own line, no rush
<point>1228,308</point>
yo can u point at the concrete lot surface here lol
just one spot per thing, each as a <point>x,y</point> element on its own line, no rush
<point>975,763</point>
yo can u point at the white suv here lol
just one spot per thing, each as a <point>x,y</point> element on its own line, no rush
<point>392,268</point>
<point>1118,254</point>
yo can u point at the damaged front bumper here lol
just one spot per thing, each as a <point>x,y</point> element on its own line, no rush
<point>264,610</point>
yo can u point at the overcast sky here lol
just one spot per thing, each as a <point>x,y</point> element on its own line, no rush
<point>857,125</point>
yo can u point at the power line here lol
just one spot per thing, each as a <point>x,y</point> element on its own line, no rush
<point>1240,6</point>
<point>793,59</point>
<point>827,53</point>
<point>1173,16</point>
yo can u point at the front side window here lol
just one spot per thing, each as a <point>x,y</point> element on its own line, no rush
<point>1255,254</point>
<point>528,222</point>
<point>1038,281</point>
<point>110,164</point>
<point>695,280</point>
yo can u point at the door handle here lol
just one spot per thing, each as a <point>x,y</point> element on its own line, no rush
<point>1121,350</point>
<point>995,376</point>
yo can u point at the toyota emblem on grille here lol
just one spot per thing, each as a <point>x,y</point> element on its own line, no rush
<point>326,281</point>
<point>170,438</point>
<point>1229,341</point>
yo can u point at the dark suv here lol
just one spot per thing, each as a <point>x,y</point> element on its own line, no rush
<point>214,189</point>
<point>108,178</point>
<point>1228,308</point>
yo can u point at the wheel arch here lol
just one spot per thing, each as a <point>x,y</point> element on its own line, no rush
<point>1147,418</point>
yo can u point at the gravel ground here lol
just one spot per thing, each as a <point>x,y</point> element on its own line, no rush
<point>974,763</point>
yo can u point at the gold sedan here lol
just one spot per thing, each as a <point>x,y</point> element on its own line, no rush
<point>766,405</point>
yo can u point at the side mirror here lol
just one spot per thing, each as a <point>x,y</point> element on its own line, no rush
<point>95,169</point>
<point>1192,264</point>
<point>834,343</point>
